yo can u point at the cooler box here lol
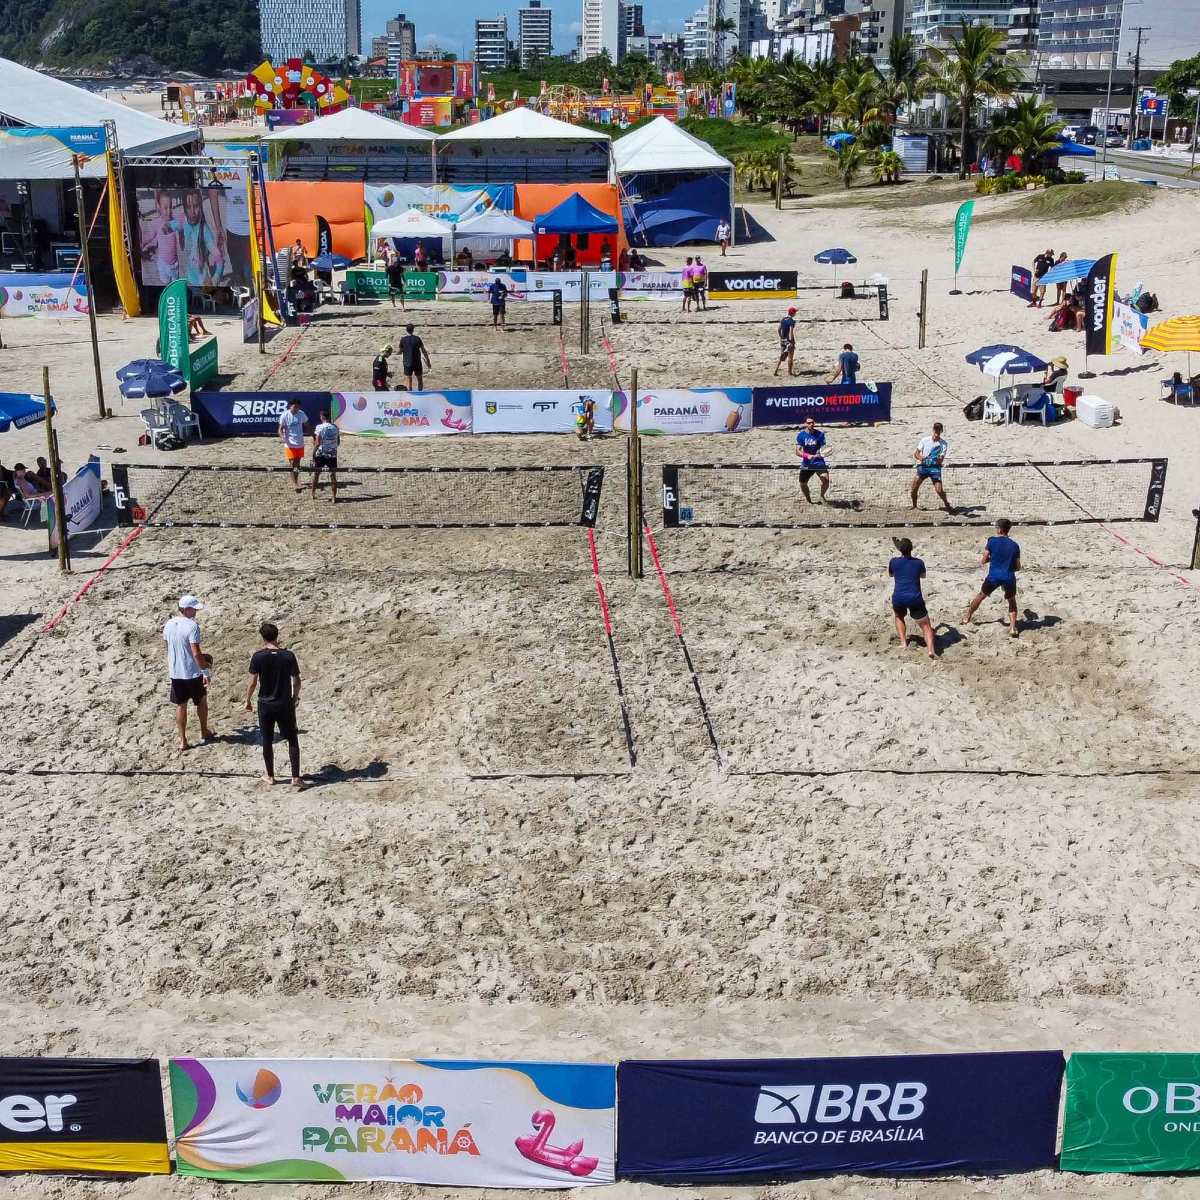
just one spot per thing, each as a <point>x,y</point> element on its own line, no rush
<point>1097,413</point>
<point>1071,395</point>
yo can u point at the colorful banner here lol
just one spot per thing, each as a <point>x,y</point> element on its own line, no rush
<point>324,237</point>
<point>728,100</point>
<point>541,285</point>
<point>725,1120</point>
<point>688,410</point>
<point>82,498</point>
<point>402,414</point>
<point>253,414</point>
<point>1129,327</point>
<point>82,1114</point>
<point>1132,1112</point>
<point>865,403</point>
<point>651,285</point>
<point>173,345</point>
<point>200,235</point>
<point>471,285</point>
<point>538,411</point>
<point>447,202</point>
<point>752,285</point>
<point>1021,284</point>
<point>452,1124</point>
<point>23,294</point>
<point>962,227</point>
<point>1098,306</point>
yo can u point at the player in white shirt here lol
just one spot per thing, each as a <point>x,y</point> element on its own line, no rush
<point>930,455</point>
<point>326,439</point>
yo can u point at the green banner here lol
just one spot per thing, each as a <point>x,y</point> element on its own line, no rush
<point>962,226</point>
<point>173,327</point>
<point>1132,1112</point>
<point>421,284</point>
<point>204,365</point>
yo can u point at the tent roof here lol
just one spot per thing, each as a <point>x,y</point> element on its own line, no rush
<point>30,98</point>
<point>412,223</point>
<point>663,146</point>
<point>494,222</point>
<point>520,124</point>
<point>575,215</point>
<point>350,125</point>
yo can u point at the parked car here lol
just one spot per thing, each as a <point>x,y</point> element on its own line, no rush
<point>1071,133</point>
<point>1113,138</point>
<point>1088,134</point>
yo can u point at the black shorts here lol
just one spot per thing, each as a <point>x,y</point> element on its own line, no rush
<point>326,462</point>
<point>990,585</point>
<point>806,473</point>
<point>916,610</point>
<point>183,690</point>
<point>497,309</point>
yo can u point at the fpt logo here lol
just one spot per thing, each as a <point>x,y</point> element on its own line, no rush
<point>840,1112</point>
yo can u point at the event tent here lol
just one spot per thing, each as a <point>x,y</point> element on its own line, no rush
<point>676,187</point>
<point>575,215</point>
<point>352,145</point>
<point>413,223</point>
<point>522,124</point>
<point>493,223</point>
<point>352,125</point>
<point>533,199</point>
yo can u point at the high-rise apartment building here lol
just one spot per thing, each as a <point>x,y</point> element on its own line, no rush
<point>401,41</point>
<point>535,33</point>
<point>1079,33</point>
<point>326,30</point>
<point>697,35</point>
<point>601,28</point>
<point>634,20</point>
<point>931,22</point>
<point>491,43</point>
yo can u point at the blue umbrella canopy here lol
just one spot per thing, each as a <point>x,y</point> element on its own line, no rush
<point>575,215</point>
<point>979,357</point>
<point>1073,268</point>
<point>330,262</point>
<point>839,139</point>
<point>142,366</point>
<point>21,409</point>
<point>1008,363</point>
<point>153,384</point>
<point>837,256</point>
<point>1066,146</point>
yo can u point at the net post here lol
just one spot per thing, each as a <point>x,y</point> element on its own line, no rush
<point>585,312</point>
<point>56,481</point>
<point>633,475</point>
<point>922,313</point>
<point>1196,541</point>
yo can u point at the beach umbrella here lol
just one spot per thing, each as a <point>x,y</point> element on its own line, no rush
<point>330,262</point>
<point>1073,268</point>
<point>153,384</point>
<point>979,357</point>
<point>1176,333</point>
<point>837,256</point>
<point>21,409</point>
<point>1008,363</point>
<point>142,366</point>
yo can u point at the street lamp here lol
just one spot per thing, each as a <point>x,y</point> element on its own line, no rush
<point>1116,50</point>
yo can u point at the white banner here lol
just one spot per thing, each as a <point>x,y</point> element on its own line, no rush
<point>471,285</point>
<point>1129,326</point>
<point>402,414</point>
<point>540,285</point>
<point>651,285</point>
<point>250,319</point>
<point>689,410</point>
<point>537,411</point>
<point>451,1124</point>
<point>53,295</point>
<point>82,498</point>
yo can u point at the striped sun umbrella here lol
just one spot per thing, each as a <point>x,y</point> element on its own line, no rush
<point>1177,333</point>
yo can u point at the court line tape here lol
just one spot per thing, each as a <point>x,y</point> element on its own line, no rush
<point>283,357</point>
<point>79,594</point>
<point>612,649</point>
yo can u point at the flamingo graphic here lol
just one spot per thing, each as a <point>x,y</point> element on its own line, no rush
<point>536,1148</point>
<point>459,425</point>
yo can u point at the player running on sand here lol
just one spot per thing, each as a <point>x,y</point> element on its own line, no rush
<point>930,455</point>
<point>1003,558</point>
<point>810,449</point>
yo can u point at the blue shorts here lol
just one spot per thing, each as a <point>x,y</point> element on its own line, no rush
<point>934,473</point>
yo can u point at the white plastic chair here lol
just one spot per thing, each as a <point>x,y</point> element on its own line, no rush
<point>33,504</point>
<point>156,423</point>
<point>995,408</point>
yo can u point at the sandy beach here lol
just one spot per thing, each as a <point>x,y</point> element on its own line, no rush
<point>869,853</point>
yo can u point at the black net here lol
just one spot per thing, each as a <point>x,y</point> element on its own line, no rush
<point>231,497</point>
<point>771,496</point>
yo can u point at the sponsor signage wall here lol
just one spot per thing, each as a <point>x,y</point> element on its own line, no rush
<point>537,411</point>
<point>454,1124</point>
<point>688,410</point>
<point>402,414</point>
<point>651,285</point>
<point>252,414</point>
<point>82,498</point>
<point>1132,1112</point>
<point>866,402</point>
<point>82,1114</point>
<point>768,1119</point>
<point>752,285</point>
<point>1022,282</point>
<point>53,295</point>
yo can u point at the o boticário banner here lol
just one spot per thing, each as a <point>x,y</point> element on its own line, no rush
<point>962,227</point>
<point>83,499</point>
<point>402,414</point>
<point>688,410</point>
<point>716,1121</point>
<point>1098,306</point>
<point>1132,1112</point>
<point>1129,327</point>
<point>537,412</point>
<point>82,1114</point>
<point>173,327</point>
<point>863,403</point>
<point>53,295</point>
<point>454,1124</point>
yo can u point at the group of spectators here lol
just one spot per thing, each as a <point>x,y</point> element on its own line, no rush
<point>29,483</point>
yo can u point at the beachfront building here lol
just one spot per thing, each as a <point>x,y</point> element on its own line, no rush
<point>401,42</point>
<point>535,33</point>
<point>321,30</point>
<point>932,22</point>
<point>601,29</point>
<point>697,36</point>
<point>491,43</point>
<point>1080,34</point>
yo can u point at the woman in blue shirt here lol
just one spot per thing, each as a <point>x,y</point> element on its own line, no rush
<point>906,595</point>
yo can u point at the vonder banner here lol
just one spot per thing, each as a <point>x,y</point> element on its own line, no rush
<point>855,403</point>
<point>688,410</point>
<point>402,414</point>
<point>718,1121</point>
<point>753,285</point>
<point>82,1114</point>
<point>538,411</point>
<point>453,1124</point>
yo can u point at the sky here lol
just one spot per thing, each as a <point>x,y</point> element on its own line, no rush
<point>451,23</point>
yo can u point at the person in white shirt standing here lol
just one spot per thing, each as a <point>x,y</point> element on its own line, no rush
<point>188,668</point>
<point>326,439</point>
<point>931,458</point>
<point>723,232</point>
<point>291,434</point>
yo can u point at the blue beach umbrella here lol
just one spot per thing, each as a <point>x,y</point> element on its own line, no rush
<point>1073,268</point>
<point>330,262</point>
<point>153,384</point>
<point>837,256</point>
<point>142,366</point>
<point>1008,363</point>
<point>21,409</point>
<point>978,357</point>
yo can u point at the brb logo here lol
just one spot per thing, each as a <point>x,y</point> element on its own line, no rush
<point>835,1104</point>
<point>25,1114</point>
<point>249,410</point>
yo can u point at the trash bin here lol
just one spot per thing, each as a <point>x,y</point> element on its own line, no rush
<point>1070,395</point>
<point>847,290</point>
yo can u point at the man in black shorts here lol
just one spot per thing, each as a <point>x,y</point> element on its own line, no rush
<point>379,369</point>
<point>412,350</point>
<point>498,292</point>
<point>1002,557</point>
<point>326,439</point>
<point>276,673</point>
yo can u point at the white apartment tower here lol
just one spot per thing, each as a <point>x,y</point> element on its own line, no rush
<point>601,28</point>
<point>535,32</point>
<point>326,29</point>
<point>491,43</point>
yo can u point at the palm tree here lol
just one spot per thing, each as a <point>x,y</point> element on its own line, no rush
<point>1027,129</point>
<point>823,103</point>
<point>888,166</point>
<point>856,90</point>
<point>720,27</point>
<point>787,92</point>
<point>846,160</point>
<point>907,78</point>
<point>973,69</point>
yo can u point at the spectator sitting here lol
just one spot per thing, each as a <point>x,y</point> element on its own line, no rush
<point>505,259</point>
<point>1058,369</point>
<point>26,486</point>
<point>1068,315</point>
<point>623,260</point>
<point>196,327</point>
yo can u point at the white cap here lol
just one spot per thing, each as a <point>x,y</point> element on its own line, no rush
<point>190,601</point>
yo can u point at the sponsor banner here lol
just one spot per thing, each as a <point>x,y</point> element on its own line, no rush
<point>52,295</point>
<point>82,1114</point>
<point>962,227</point>
<point>200,235</point>
<point>173,339</point>
<point>752,285</point>
<point>471,285</point>
<point>541,285</point>
<point>373,285</point>
<point>202,364</point>
<point>445,201</point>
<point>402,414</point>
<point>250,319</point>
<point>652,285</point>
<point>768,1119</point>
<point>1098,306</point>
<point>1129,326</point>
<point>688,410</point>
<point>252,414</point>
<point>1132,1112</point>
<point>1021,285</point>
<point>452,1124</point>
<point>82,498</point>
<point>855,403</point>
<point>537,411</point>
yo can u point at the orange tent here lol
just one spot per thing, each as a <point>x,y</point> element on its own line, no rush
<point>532,199</point>
<point>295,207</point>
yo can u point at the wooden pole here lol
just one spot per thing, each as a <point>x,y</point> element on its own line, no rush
<point>1196,541</point>
<point>922,313</point>
<point>633,466</point>
<point>87,279</point>
<point>56,483</point>
<point>779,181</point>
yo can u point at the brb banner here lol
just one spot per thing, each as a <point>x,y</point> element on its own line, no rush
<point>453,1124</point>
<point>252,414</point>
<point>537,412</point>
<point>752,285</point>
<point>82,1114</point>
<point>858,403</point>
<point>710,1122</point>
<point>1132,1112</point>
<point>402,414</point>
<point>688,410</point>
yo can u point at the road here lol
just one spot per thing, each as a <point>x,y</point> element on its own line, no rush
<point>1167,172</point>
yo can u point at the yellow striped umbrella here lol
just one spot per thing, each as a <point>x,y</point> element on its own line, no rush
<point>1178,333</point>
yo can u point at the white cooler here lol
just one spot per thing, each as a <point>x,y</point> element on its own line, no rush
<point>1097,413</point>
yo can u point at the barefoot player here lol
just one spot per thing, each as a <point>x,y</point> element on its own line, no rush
<point>326,439</point>
<point>810,448</point>
<point>1003,558</point>
<point>931,458</point>
<point>291,434</point>
<point>907,572</point>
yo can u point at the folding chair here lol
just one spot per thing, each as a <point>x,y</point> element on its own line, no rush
<point>33,504</point>
<point>156,423</point>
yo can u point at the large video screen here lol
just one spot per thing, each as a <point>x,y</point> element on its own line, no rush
<point>201,234</point>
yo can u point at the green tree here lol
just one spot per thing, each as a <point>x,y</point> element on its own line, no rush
<point>906,78</point>
<point>1027,129</point>
<point>823,100</point>
<point>846,160</point>
<point>887,166</point>
<point>856,90</point>
<point>1183,73</point>
<point>721,27</point>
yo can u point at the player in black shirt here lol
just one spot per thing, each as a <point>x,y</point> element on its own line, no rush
<point>276,674</point>
<point>379,369</point>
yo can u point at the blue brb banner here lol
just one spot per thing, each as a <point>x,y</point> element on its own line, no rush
<point>252,414</point>
<point>720,1120</point>
<point>855,402</point>
<point>1022,283</point>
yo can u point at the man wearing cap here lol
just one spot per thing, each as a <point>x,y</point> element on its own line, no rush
<point>787,342</point>
<point>379,369</point>
<point>187,667</point>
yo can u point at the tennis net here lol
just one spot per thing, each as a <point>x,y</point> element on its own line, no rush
<point>236,497</point>
<point>770,495</point>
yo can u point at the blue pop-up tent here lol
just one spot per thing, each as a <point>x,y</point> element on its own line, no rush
<point>574,215</point>
<point>689,212</point>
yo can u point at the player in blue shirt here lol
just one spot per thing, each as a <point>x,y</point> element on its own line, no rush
<point>906,595</point>
<point>847,368</point>
<point>810,449</point>
<point>498,293</point>
<point>787,342</point>
<point>1003,558</point>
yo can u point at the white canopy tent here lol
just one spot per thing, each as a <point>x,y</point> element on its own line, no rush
<point>662,146</point>
<point>522,124</point>
<point>494,223</point>
<point>351,125</point>
<point>412,223</point>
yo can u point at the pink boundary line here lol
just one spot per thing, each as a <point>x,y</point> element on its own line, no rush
<point>612,649</point>
<point>662,578</point>
<point>283,356</point>
<point>78,595</point>
<point>599,581</point>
